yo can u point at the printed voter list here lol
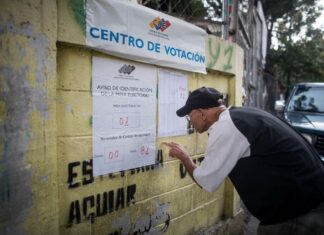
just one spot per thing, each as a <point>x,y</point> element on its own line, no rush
<point>124,115</point>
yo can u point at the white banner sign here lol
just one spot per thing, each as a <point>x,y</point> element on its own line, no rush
<point>124,115</point>
<point>136,32</point>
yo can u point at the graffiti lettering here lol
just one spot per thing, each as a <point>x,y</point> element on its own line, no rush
<point>87,176</point>
<point>72,174</point>
<point>99,205</point>
<point>182,169</point>
<point>145,224</point>
<point>229,51</point>
<point>215,49</point>
<point>86,172</point>
<point>114,175</point>
<point>214,56</point>
<point>91,201</point>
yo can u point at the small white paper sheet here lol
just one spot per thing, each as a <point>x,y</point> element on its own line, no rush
<point>172,95</point>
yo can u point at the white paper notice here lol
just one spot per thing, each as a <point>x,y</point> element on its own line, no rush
<point>124,115</point>
<point>173,93</point>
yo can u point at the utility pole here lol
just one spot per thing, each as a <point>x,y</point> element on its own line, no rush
<point>232,10</point>
<point>225,20</point>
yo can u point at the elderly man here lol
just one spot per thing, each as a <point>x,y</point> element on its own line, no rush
<point>277,173</point>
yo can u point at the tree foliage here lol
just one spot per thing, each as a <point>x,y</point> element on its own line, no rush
<point>301,61</point>
<point>298,53</point>
<point>183,8</point>
<point>198,9</point>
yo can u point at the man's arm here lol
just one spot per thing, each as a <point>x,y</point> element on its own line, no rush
<point>177,152</point>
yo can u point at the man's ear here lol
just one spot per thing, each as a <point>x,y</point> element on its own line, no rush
<point>203,113</point>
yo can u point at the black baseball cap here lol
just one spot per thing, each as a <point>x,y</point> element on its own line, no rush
<point>201,98</point>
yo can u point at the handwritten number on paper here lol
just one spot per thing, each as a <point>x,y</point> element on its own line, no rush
<point>123,121</point>
<point>113,154</point>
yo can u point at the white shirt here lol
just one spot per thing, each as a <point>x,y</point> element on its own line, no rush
<point>226,145</point>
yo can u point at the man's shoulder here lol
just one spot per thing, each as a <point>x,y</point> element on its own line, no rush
<point>244,109</point>
<point>247,112</point>
<point>249,119</point>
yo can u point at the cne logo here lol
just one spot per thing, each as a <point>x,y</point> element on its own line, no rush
<point>160,24</point>
<point>127,69</point>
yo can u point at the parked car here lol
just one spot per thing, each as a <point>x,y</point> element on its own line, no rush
<point>304,110</point>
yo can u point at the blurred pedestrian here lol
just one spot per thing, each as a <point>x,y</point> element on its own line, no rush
<point>276,172</point>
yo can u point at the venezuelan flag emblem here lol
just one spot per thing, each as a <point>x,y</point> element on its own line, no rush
<point>159,24</point>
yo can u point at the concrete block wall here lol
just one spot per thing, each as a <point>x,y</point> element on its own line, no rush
<point>28,155</point>
<point>46,137</point>
<point>162,195</point>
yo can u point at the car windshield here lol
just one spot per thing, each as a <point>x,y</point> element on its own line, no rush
<point>308,99</point>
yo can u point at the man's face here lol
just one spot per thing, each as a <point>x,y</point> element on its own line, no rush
<point>197,119</point>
